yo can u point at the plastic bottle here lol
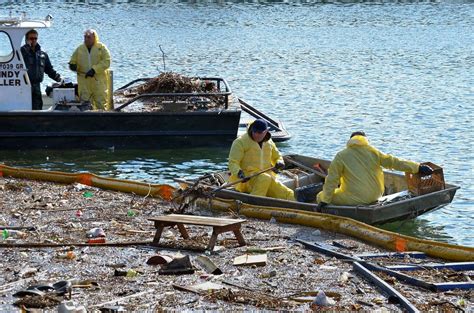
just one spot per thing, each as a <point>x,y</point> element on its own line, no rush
<point>5,234</point>
<point>10,233</point>
<point>87,194</point>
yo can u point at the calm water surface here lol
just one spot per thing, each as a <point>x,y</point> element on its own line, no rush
<point>403,72</point>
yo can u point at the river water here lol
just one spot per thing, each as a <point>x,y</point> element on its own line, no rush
<point>400,71</point>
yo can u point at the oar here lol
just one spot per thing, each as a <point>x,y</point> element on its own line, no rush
<point>242,179</point>
<point>298,164</point>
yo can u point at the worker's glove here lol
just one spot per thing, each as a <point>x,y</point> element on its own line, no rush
<point>425,170</point>
<point>279,166</point>
<point>241,175</point>
<point>58,78</point>
<point>73,67</point>
<point>320,206</point>
<point>90,73</point>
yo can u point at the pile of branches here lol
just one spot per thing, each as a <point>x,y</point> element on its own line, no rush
<point>170,82</point>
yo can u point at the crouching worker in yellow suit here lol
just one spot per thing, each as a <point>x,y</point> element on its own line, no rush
<point>355,176</point>
<point>252,152</point>
<point>91,61</point>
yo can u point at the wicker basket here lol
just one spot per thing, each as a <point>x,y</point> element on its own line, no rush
<point>420,185</point>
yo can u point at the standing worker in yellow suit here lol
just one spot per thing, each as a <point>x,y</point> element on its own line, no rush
<point>355,176</point>
<point>91,61</point>
<point>255,151</point>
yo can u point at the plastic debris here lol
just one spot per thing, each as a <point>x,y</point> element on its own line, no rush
<point>96,240</point>
<point>95,233</point>
<point>322,300</point>
<point>208,265</point>
<point>78,213</point>
<point>131,213</point>
<point>159,260</point>
<point>178,266</point>
<point>131,273</point>
<point>87,194</point>
<point>344,277</point>
<point>71,307</point>
<point>268,275</point>
<point>251,259</point>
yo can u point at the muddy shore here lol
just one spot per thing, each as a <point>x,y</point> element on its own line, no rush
<point>289,279</point>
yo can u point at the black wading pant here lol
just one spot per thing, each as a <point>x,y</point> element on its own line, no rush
<point>36,98</point>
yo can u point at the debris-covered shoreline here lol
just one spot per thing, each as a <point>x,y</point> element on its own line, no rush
<point>290,276</point>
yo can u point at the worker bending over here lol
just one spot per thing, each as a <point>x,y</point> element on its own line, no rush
<point>252,152</point>
<point>91,61</point>
<point>355,176</point>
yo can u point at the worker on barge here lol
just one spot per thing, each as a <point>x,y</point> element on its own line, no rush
<point>91,61</point>
<point>355,176</point>
<point>255,151</point>
<point>37,63</point>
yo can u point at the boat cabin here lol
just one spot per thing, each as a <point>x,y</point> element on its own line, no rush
<point>15,87</point>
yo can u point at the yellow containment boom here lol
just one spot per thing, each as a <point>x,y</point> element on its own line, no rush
<point>347,226</point>
<point>158,191</point>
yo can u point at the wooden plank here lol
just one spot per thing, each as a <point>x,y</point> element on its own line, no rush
<point>251,259</point>
<point>196,220</point>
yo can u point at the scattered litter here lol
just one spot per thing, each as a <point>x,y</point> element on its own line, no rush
<point>208,265</point>
<point>328,268</point>
<point>251,259</point>
<point>344,277</point>
<point>207,286</point>
<point>112,309</point>
<point>269,274</point>
<point>322,300</point>
<point>177,266</point>
<point>87,194</point>
<point>27,272</point>
<point>95,232</point>
<point>39,302</point>
<point>96,240</point>
<point>263,250</point>
<point>71,307</point>
<point>159,260</point>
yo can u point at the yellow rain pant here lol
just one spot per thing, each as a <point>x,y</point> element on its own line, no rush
<point>248,156</point>
<point>355,176</point>
<point>93,89</point>
<point>265,185</point>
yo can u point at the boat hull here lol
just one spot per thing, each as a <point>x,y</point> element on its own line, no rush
<point>118,130</point>
<point>370,214</point>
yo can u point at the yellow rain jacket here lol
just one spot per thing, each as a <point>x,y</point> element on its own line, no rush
<point>93,89</point>
<point>246,154</point>
<point>357,170</point>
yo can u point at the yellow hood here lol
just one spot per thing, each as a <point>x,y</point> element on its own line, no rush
<point>358,141</point>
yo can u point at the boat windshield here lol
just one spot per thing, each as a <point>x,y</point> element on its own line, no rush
<point>6,48</point>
